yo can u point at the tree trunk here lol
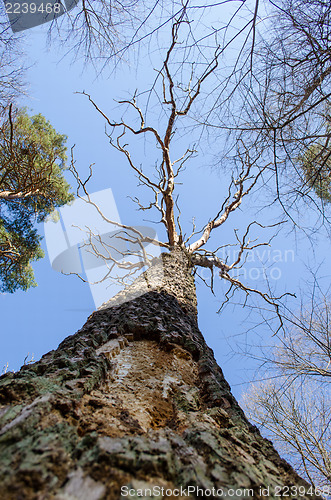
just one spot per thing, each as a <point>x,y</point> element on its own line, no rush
<point>134,400</point>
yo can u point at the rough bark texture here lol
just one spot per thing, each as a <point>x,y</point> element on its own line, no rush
<point>134,398</point>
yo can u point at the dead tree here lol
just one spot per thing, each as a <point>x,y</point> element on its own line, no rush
<point>135,399</point>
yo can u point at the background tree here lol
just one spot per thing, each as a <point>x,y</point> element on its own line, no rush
<point>12,65</point>
<point>276,101</point>
<point>315,164</point>
<point>32,163</point>
<point>291,402</point>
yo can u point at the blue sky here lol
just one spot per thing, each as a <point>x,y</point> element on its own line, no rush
<point>36,321</point>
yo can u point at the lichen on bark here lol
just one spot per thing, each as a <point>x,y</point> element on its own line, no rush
<point>134,398</point>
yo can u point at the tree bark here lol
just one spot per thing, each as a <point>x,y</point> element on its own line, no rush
<point>133,400</point>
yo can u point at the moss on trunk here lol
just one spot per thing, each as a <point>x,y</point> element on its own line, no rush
<point>134,399</point>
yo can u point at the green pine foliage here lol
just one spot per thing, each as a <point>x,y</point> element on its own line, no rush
<point>32,163</point>
<point>316,166</point>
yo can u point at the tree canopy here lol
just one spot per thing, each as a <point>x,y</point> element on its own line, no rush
<point>32,163</point>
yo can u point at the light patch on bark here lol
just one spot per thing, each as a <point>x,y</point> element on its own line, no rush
<point>112,347</point>
<point>168,381</point>
<point>137,392</point>
<point>81,488</point>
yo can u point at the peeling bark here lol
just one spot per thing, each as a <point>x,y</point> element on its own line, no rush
<point>135,398</point>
